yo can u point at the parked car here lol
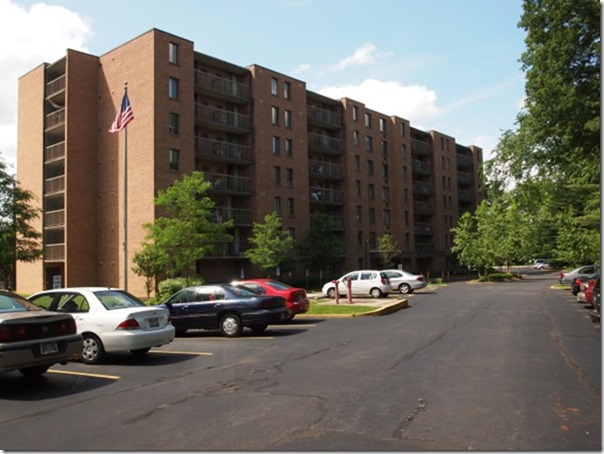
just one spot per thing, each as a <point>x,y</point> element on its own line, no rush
<point>541,264</point>
<point>32,339</point>
<point>575,287</point>
<point>296,299</point>
<point>588,291</point>
<point>110,320</point>
<point>566,277</point>
<point>225,307</point>
<point>405,282</point>
<point>363,282</point>
<point>597,296</point>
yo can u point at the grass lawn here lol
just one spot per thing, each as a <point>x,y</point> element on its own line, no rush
<point>342,308</point>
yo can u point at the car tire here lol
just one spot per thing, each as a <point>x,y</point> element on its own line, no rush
<point>141,352</point>
<point>331,293</point>
<point>405,288</point>
<point>93,350</point>
<point>230,325</point>
<point>375,293</point>
<point>34,371</point>
<point>258,329</point>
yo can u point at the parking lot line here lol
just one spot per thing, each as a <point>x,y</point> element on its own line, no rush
<point>84,374</point>
<point>174,352</point>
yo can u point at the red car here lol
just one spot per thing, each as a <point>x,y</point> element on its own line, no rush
<point>296,299</point>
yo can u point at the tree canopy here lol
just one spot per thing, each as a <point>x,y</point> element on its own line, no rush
<point>272,245</point>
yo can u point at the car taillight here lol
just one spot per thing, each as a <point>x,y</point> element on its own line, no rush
<point>68,326</point>
<point>420,279</point>
<point>129,324</point>
<point>169,319</point>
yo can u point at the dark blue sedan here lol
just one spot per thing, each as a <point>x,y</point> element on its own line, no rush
<point>225,307</point>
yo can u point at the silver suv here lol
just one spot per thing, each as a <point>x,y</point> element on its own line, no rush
<point>362,283</point>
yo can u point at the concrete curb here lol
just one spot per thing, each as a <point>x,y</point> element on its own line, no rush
<point>384,310</point>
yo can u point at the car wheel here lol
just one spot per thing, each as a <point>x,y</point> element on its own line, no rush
<point>258,329</point>
<point>404,288</point>
<point>331,293</point>
<point>376,293</point>
<point>34,371</point>
<point>230,325</point>
<point>93,350</point>
<point>141,352</point>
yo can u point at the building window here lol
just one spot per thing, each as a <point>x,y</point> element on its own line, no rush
<point>368,120</point>
<point>385,193</point>
<point>173,159</point>
<point>289,177</point>
<point>357,163</point>
<point>277,205</point>
<point>276,145</point>
<point>277,175</point>
<point>355,113</point>
<point>406,218</point>
<point>357,187</point>
<point>382,125</point>
<point>369,167</point>
<point>386,217</point>
<point>355,138</point>
<point>359,213</point>
<point>173,53</point>
<point>403,150</point>
<point>402,129</point>
<point>173,123</point>
<point>385,170</point>
<point>274,86</point>
<point>384,148</point>
<point>290,206</point>
<point>288,119</point>
<point>289,148</point>
<point>371,191</point>
<point>292,232</point>
<point>173,88</point>
<point>286,90</point>
<point>371,215</point>
<point>368,145</point>
<point>275,115</point>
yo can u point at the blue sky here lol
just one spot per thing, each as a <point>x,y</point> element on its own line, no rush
<point>448,65</point>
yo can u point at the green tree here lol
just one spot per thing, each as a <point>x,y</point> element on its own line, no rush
<point>320,248</point>
<point>188,232</point>
<point>19,241</point>
<point>150,262</point>
<point>272,245</point>
<point>388,249</point>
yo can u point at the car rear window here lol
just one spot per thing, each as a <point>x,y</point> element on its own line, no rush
<point>114,299</point>
<point>10,303</point>
<point>278,285</point>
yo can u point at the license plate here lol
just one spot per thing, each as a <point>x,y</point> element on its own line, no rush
<point>49,348</point>
<point>154,322</point>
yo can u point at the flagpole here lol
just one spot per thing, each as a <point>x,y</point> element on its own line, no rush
<point>125,201</point>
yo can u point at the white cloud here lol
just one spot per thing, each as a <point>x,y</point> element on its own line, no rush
<point>412,102</point>
<point>31,36</point>
<point>364,55</point>
<point>303,68</point>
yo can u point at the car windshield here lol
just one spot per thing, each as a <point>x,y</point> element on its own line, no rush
<point>117,299</point>
<point>278,285</point>
<point>239,291</point>
<point>16,303</point>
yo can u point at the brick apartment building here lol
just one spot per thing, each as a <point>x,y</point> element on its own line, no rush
<point>264,141</point>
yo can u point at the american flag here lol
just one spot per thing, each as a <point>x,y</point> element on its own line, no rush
<point>124,116</point>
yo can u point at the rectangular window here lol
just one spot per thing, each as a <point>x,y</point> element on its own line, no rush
<point>288,119</point>
<point>173,120</point>
<point>292,232</point>
<point>368,120</point>
<point>359,213</point>
<point>355,113</point>
<point>355,138</point>
<point>385,170</point>
<point>384,147</point>
<point>173,53</point>
<point>368,145</point>
<point>276,145</point>
<point>357,163</point>
<point>369,167</point>
<point>173,88</point>
<point>277,205</point>
<point>290,206</point>
<point>173,159</point>
<point>289,177</point>
<point>385,193</point>
<point>286,90</point>
<point>382,125</point>
<point>371,215</point>
<point>402,129</point>
<point>357,187</point>
<point>289,148</point>
<point>275,115</point>
<point>386,217</point>
<point>277,175</point>
<point>371,191</point>
<point>274,86</point>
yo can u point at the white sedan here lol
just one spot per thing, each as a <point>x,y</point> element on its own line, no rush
<point>110,320</point>
<point>406,282</point>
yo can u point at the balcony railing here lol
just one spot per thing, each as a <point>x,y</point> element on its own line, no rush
<point>54,218</point>
<point>324,143</point>
<point>464,178</point>
<point>323,195</point>
<point>221,117</point>
<point>465,196</point>
<point>324,169</point>
<point>222,85</point>
<point>55,119</point>
<point>422,188</point>
<point>420,148</point>
<point>239,216</point>
<point>420,167</point>
<point>222,151</point>
<point>422,208</point>
<point>55,86</point>
<point>228,249</point>
<point>463,161</point>
<point>323,116</point>
<point>54,185</point>
<point>221,182</point>
<point>54,252</point>
<point>54,152</point>
<point>423,229</point>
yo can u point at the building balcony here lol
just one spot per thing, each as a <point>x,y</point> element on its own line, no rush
<point>54,185</point>
<point>54,218</point>
<point>465,196</point>
<point>320,169</point>
<point>54,152</point>
<point>422,208</point>
<point>323,117</point>
<point>464,161</point>
<point>224,120</point>
<point>239,216</point>
<point>420,148</point>
<point>55,90</point>
<point>54,252</point>
<point>422,188</point>
<point>228,249</point>
<point>423,229</point>
<point>421,168</point>
<point>220,151</point>
<point>326,196</point>
<point>464,178</point>
<point>221,88</point>
<point>324,144</point>
<point>55,119</point>
<point>229,184</point>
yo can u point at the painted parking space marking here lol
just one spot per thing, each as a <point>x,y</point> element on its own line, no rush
<point>84,374</point>
<point>175,352</point>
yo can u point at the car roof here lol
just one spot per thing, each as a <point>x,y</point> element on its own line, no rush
<point>79,289</point>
